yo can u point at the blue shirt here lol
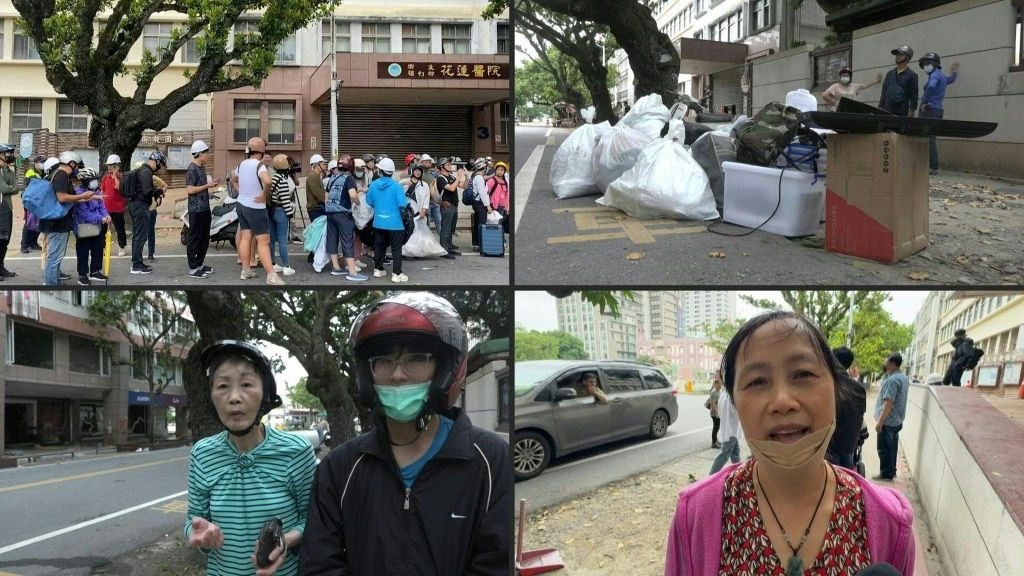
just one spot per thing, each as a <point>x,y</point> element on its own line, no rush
<point>935,89</point>
<point>410,472</point>
<point>895,387</point>
<point>386,197</point>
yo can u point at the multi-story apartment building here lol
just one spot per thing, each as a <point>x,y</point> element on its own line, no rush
<point>993,319</point>
<point>660,314</point>
<point>413,79</point>
<point>604,336</point>
<point>700,306</point>
<point>59,387</point>
<point>689,358</point>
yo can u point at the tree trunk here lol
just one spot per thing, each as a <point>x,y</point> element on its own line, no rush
<point>219,315</point>
<point>108,140</point>
<point>328,383</point>
<point>595,79</point>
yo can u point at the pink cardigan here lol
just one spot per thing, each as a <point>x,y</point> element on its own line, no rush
<point>695,537</point>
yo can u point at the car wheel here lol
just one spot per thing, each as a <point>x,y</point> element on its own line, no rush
<point>531,455</point>
<point>659,424</point>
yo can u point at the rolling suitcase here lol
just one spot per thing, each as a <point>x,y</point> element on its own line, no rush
<point>492,240</point>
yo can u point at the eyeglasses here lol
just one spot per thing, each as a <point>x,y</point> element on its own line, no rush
<point>415,364</point>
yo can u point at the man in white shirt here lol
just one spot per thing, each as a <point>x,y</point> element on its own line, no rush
<point>253,219</point>
<point>731,431</point>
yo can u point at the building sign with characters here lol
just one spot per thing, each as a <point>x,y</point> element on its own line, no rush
<point>429,70</point>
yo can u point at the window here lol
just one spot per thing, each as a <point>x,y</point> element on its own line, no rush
<point>91,420</point>
<point>656,380</point>
<point>622,380</point>
<point>282,123</point>
<point>342,37</point>
<point>377,38</point>
<point>1,38</point>
<point>504,110</point>
<point>728,29</point>
<point>141,364</point>
<point>760,15</point>
<point>29,345</point>
<point>416,38</point>
<point>503,45</point>
<point>191,53</point>
<point>247,120</point>
<point>286,51</point>
<point>85,357</point>
<point>24,46</point>
<point>71,117</point>
<point>26,115</point>
<point>455,39</point>
<point>700,6</point>
<point>1018,8</point>
<point>155,37</point>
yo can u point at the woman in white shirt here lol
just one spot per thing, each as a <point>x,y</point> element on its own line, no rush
<point>481,202</point>
<point>845,89</point>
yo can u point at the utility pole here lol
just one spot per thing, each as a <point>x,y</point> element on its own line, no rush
<point>334,85</point>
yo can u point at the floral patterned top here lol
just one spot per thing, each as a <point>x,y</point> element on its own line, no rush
<point>747,550</point>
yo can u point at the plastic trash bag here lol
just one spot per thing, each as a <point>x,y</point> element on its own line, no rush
<point>617,152</point>
<point>313,235</point>
<point>320,258</point>
<point>648,115</point>
<point>494,218</point>
<point>588,114</point>
<point>710,150</point>
<point>572,172</point>
<point>666,182</point>
<point>363,213</point>
<point>423,243</point>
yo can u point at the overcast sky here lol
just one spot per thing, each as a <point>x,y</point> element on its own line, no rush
<point>541,307</point>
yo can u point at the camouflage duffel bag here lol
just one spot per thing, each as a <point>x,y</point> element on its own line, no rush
<point>766,136</point>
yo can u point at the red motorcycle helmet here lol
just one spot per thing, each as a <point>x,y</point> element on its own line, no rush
<point>418,319</point>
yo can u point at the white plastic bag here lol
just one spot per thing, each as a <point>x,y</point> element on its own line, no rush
<point>572,172</point>
<point>320,258</point>
<point>617,152</point>
<point>362,213</point>
<point>494,218</point>
<point>588,114</point>
<point>422,243</point>
<point>648,115</point>
<point>665,182</point>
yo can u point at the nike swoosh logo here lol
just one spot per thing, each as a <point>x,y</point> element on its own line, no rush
<point>454,515</point>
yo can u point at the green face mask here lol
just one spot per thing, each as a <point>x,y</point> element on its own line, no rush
<point>403,403</point>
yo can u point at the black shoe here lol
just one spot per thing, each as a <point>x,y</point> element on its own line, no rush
<point>98,276</point>
<point>199,274</point>
<point>144,269</point>
<point>36,247</point>
<point>454,253</point>
<point>309,258</point>
<point>716,445</point>
<point>152,258</point>
<point>64,276</point>
<point>454,247</point>
<point>387,260</point>
<point>84,281</point>
<point>5,273</point>
<point>449,257</point>
<point>25,250</point>
<point>208,270</point>
<point>881,478</point>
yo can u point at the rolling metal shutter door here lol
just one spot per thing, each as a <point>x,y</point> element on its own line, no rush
<point>400,130</point>
<point>726,86</point>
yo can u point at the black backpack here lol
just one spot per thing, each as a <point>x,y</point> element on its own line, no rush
<point>974,358</point>
<point>131,184</point>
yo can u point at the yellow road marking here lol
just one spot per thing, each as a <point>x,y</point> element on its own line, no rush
<point>593,218</point>
<point>8,574</point>
<point>621,235</point>
<point>637,231</point>
<point>171,507</point>
<point>89,475</point>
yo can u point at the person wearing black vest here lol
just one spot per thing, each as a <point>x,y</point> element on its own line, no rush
<point>899,89</point>
<point>138,207</point>
<point>849,414</point>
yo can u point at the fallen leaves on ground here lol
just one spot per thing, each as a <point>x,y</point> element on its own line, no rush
<point>717,254</point>
<point>963,261</point>
<point>918,275</point>
<point>635,255</point>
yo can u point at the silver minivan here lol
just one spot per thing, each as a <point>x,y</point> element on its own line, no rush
<point>555,415</point>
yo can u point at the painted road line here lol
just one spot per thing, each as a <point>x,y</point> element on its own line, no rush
<point>89,475</point>
<point>79,526</point>
<point>625,234</point>
<point>548,133</point>
<point>627,449</point>
<point>524,182</point>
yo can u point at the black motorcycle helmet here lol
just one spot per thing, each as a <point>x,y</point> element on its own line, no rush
<point>216,353</point>
<point>413,318</point>
<point>905,50</point>
<point>930,57</point>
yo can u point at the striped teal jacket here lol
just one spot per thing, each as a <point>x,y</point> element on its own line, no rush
<point>239,492</point>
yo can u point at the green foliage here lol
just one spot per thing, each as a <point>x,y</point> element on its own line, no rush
<point>718,336</point>
<point>300,397</point>
<point>534,345</point>
<point>569,346</point>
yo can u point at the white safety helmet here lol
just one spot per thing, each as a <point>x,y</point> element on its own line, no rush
<point>198,147</point>
<point>386,165</point>
<point>426,158</point>
<point>113,159</point>
<point>316,159</point>
<point>359,163</point>
<point>50,164</point>
<point>69,157</point>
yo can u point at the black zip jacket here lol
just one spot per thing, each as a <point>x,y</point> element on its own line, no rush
<point>963,350</point>
<point>456,518</point>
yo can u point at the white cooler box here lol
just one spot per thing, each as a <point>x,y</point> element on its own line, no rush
<point>751,193</point>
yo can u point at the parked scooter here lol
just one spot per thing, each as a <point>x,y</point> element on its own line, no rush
<point>224,223</point>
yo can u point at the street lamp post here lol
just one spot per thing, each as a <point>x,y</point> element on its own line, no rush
<point>334,86</point>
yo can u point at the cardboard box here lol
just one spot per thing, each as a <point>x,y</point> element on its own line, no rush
<point>876,196</point>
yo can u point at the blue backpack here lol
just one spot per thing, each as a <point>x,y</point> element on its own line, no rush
<point>40,199</point>
<point>469,194</point>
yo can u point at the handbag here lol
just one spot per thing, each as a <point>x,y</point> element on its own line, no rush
<point>86,230</point>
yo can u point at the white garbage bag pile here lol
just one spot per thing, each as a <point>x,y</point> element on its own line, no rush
<point>665,182</point>
<point>422,243</point>
<point>572,169</point>
<point>617,152</point>
<point>648,115</point>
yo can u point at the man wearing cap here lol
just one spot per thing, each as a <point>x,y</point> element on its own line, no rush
<point>29,237</point>
<point>899,89</point>
<point>113,201</point>
<point>430,177</point>
<point>198,187</point>
<point>448,185</point>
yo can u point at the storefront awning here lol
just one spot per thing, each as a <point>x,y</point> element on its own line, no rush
<point>709,56</point>
<point>141,398</point>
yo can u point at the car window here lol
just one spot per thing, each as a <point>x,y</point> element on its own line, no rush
<point>656,380</point>
<point>622,380</point>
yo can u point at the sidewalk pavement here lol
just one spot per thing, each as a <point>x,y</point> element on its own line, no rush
<point>1012,406</point>
<point>50,454</point>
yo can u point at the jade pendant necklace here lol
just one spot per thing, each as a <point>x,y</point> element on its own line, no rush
<point>795,566</point>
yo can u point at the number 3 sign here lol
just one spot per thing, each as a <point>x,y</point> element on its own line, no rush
<point>483,132</point>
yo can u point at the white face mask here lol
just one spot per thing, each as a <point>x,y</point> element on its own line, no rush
<point>359,173</point>
<point>844,79</point>
<point>94,184</point>
<point>928,68</point>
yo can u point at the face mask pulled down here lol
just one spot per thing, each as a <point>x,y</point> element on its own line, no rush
<point>403,403</point>
<point>790,457</point>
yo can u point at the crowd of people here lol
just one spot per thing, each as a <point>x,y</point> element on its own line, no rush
<point>371,211</point>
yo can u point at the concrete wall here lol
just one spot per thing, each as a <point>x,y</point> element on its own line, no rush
<point>480,399</point>
<point>980,34</point>
<point>960,450</point>
<point>778,74</point>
